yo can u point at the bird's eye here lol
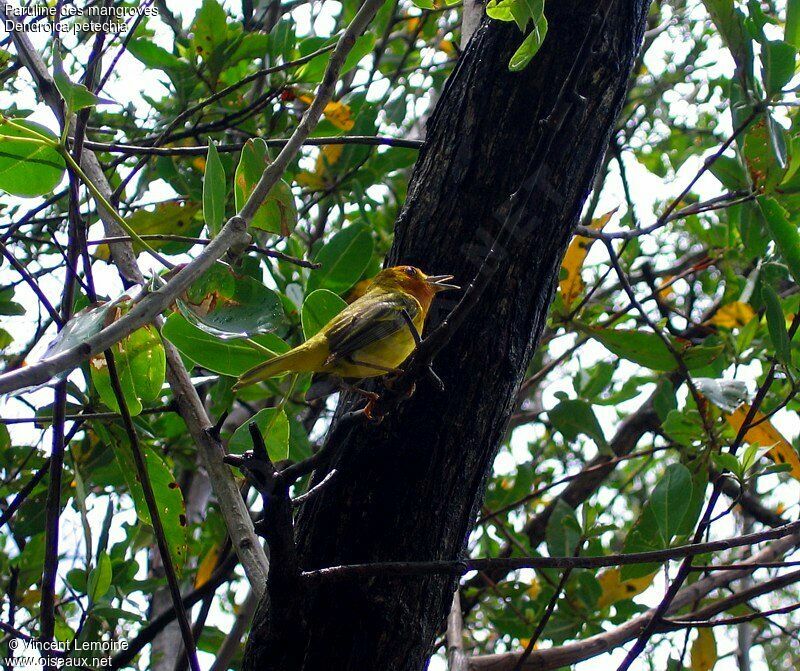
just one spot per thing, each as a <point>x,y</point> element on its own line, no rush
<point>411,271</point>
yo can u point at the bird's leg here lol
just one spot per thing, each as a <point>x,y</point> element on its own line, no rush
<point>373,366</point>
<point>371,397</point>
<point>411,327</point>
<point>437,381</point>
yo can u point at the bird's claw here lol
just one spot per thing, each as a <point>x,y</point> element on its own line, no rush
<point>371,413</point>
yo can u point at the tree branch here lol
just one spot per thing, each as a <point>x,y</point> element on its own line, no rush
<point>572,653</point>
<point>455,567</point>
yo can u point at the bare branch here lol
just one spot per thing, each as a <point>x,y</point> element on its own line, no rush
<point>201,150</point>
<point>401,568</point>
<point>572,653</point>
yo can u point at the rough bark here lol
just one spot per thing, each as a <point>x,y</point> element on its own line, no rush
<point>409,488</point>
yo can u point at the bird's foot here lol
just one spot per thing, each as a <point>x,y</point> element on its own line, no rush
<point>371,412</point>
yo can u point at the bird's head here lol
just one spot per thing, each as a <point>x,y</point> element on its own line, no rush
<point>413,281</point>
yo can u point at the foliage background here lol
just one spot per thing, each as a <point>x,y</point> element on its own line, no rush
<point>720,277</point>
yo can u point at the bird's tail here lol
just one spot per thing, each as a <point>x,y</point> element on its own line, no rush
<point>292,361</point>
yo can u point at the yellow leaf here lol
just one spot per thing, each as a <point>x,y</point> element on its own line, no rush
<point>31,597</point>
<point>704,650</point>
<point>335,111</point>
<point>167,218</point>
<point>764,434</point>
<point>207,566</point>
<point>572,285</point>
<point>615,590</point>
<point>733,315</point>
<point>310,180</point>
<point>666,290</point>
<point>535,589</point>
<point>200,163</point>
<point>412,24</point>
<point>339,115</point>
<point>448,47</point>
<point>321,177</point>
<point>328,156</point>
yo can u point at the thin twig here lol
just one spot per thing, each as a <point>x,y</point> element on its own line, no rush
<point>272,253</point>
<point>455,567</point>
<point>155,517</point>
<point>202,150</point>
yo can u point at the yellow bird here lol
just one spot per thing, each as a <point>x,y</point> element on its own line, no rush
<point>372,336</point>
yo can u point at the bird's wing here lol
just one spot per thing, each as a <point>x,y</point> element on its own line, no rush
<point>360,328</point>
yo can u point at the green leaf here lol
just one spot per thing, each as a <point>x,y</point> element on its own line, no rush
<point>83,325</point>
<point>214,191</point>
<point>573,417</point>
<point>664,399</point>
<point>180,73</point>
<point>696,504</point>
<point>141,365</point>
<point>9,307</point>
<point>99,578</point>
<point>500,10</point>
<point>313,71</point>
<point>783,232</point>
<point>776,324</point>
<point>730,173</point>
<point>249,47</point>
<point>778,59</point>
<point>274,427</point>
<point>563,531</point>
<point>319,308</point>
<point>167,218</point>
<point>725,460</point>
<point>153,56</point>
<point>76,578</point>
<point>648,350</point>
<point>670,500</point>
<point>791,33</point>
<point>5,339</point>
<point>28,169</point>
<point>343,260</point>
<point>226,357</point>
<point>683,426</point>
<point>209,29</point>
<point>167,493</point>
<point>525,11</point>
<point>76,96</point>
<point>765,153</point>
<point>644,536</point>
<point>227,304</point>
<point>530,46</point>
<point>278,213</point>
<point>730,22</point>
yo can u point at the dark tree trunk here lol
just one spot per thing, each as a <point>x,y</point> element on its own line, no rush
<point>409,488</point>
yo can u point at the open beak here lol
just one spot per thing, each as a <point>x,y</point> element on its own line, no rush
<point>439,282</point>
